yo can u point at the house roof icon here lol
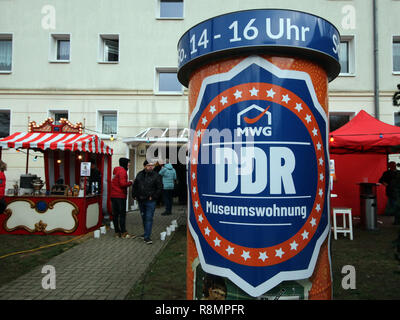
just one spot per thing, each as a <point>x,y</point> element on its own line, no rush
<point>263,112</point>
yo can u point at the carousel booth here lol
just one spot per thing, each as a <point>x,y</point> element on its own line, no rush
<point>65,202</point>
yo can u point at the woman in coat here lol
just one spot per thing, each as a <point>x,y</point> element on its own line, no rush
<point>168,174</point>
<point>119,193</point>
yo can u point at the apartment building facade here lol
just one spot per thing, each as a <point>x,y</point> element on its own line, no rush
<point>112,66</point>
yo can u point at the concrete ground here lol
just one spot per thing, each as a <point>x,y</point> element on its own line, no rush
<point>99,268</point>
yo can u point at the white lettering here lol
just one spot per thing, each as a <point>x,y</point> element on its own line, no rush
<point>269,32</point>
<point>49,20</point>
<point>282,172</point>
<point>49,280</point>
<point>254,170</point>
<point>349,19</point>
<point>349,280</point>
<point>254,159</point>
<point>226,158</point>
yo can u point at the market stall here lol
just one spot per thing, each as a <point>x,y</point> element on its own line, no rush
<point>360,152</point>
<point>65,202</point>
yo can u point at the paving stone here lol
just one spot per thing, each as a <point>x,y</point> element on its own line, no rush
<point>97,269</point>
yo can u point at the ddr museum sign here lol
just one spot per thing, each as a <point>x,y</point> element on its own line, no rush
<point>258,175</point>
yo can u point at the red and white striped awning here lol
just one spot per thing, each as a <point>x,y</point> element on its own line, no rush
<point>56,141</point>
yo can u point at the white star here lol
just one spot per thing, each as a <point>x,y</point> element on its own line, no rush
<point>279,253</point>
<point>318,207</point>
<point>308,118</point>
<point>194,189</point>
<point>217,242</point>
<point>293,245</point>
<point>313,222</point>
<point>204,120</point>
<point>198,133</point>
<point>285,98</point>
<point>315,132</point>
<point>212,109</point>
<point>224,100</point>
<point>318,146</point>
<point>196,204</point>
<point>193,176</point>
<point>321,193</point>
<point>238,94</point>
<point>321,161</point>
<point>245,255</point>
<point>254,92</point>
<point>194,161</point>
<point>195,147</point>
<point>201,218</point>
<point>321,176</point>
<point>298,107</point>
<point>263,255</point>
<point>305,235</point>
<point>270,93</point>
<point>207,231</point>
<point>229,250</point>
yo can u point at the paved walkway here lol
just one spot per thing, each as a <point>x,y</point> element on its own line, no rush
<point>99,268</point>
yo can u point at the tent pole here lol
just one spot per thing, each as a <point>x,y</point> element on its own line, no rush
<point>27,161</point>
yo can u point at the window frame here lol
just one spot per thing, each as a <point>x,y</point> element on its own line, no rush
<point>4,110</point>
<point>350,39</point>
<point>53,48</point>
<point>350,114</point>
<point>101,49</point>
<point>157,71</point>
<point>99,122</point>
<point>52,112</point>
<point>394,118</point>
<point>158,12</point>
<point>395,38</point>
<point>8,36</point>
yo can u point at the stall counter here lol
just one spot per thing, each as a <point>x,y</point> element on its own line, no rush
<point>51,214</point>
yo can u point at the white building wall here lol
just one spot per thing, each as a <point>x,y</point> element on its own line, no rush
<point>84,86</point>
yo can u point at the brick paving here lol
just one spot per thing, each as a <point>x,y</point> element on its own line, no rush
<point>104,268</point>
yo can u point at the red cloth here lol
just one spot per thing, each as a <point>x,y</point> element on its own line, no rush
<point>2,184</point>
<point>351,169</point>
<point>120,183</point>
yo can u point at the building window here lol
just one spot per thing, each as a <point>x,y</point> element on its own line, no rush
<point>171,9</point>
<point>396,54</point>
<point>5,53</point>
<point>397,119</point>
<point>60,48</point>
<point>337,120</point>
<point>107,121</point>
<point>346,56</point>
<point>4,123</point>
<point>57,115</point>
<point>167,81</point>
<point>109,48</point>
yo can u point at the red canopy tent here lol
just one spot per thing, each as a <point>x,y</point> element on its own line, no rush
<point>360,150</point>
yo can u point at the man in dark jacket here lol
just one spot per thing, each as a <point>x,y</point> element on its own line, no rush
<point>391,180</point>
<point>119,192</point>
<point>146,190</point>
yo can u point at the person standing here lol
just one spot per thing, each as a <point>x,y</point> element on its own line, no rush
<point>3,167</point>
<point>391,180</point>
<point>168,175</point>
<point>94,179</point>
<point>119,192</point>
<point>146,190</point>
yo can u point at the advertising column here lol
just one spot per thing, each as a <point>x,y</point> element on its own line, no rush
<point>258,170</point>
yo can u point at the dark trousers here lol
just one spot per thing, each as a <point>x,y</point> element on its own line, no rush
<point>147,208</point>
<point>167,197</point>
<point>119,214</point>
